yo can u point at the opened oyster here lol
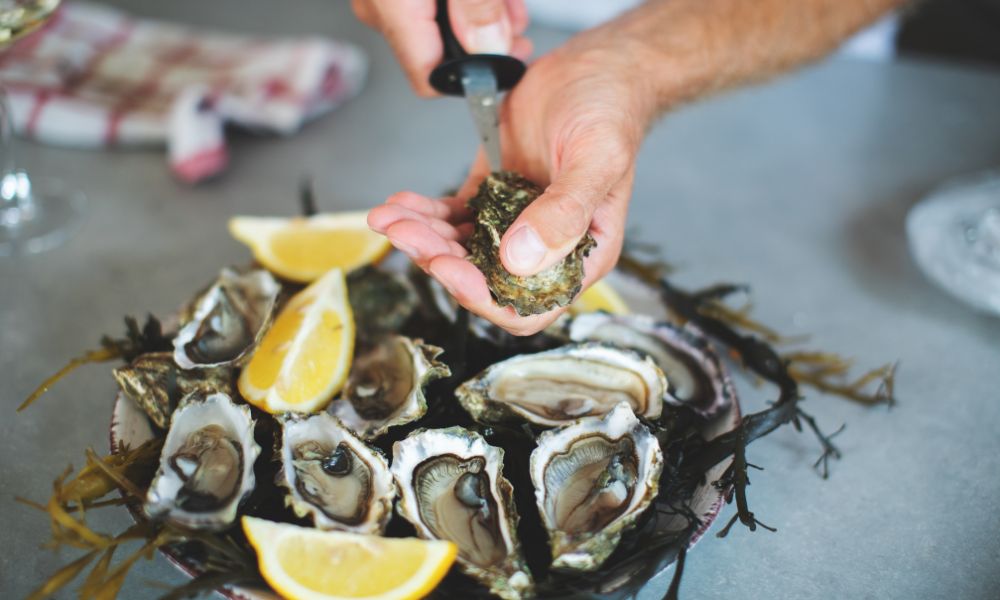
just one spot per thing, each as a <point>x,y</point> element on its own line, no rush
<point>697,378</point>
<point>386,385</point>
<point>557,386</point>
<point>155,383</point>
<point>452,488</point>
<point>592,480</point>
<point>206,466</point>
<point>500,199</point>
<point>227,321</point>
<point>333,477</point>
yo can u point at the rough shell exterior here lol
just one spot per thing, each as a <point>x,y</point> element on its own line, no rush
<point>500,199</point>
<point>510,579</point>
<point>194,413</point>
<point>156,384</point>
<point>323,429</point>
<point>589,550</point>
<point>483,395</point>
<point>698,378</point>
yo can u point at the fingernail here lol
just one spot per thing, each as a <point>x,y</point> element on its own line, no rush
<point>490,39</point>
<point>525,249</point>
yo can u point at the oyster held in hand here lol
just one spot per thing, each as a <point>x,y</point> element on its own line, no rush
<point>499,201</point>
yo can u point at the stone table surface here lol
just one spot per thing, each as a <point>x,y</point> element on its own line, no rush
<point>798,187</point>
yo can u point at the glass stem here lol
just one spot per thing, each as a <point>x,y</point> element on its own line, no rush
<point>15,188</point>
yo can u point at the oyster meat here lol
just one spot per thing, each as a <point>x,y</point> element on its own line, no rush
<point>333,477</point>
<point>592,480</point>
<point>557,386</point>
<point>206,466</point>
<point>452,488</point>
<point>156,384</point>
<point>386,385</point>
<point>500,199</point>
<point>226,322</point>
<point>697,378</point>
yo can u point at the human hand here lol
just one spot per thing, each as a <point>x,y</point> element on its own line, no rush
<point>573,124</point>
<point>481,26</point>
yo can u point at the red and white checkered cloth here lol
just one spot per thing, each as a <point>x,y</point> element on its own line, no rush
<point>95,77</point>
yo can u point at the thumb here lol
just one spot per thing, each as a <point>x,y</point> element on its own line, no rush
<point>482,26</point>
<point>551,226</point>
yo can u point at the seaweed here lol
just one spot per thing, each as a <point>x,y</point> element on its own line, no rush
<point>137,340</point>
<point>227,559</point>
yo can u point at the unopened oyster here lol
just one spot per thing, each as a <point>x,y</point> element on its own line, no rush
<point>592,480</point>
<point>206,466</point>
<point>155,383</point>
<point>386,385</point>
<point>333,477</point>
<point>697,378</point>
<point>555,387</point>
<point>227,321</point>
<point>452,488</point>
<point>500,199</point>
<point>380,300</point>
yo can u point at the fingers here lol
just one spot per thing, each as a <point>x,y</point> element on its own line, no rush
<point>450,209</point>
<point>481,26</point>
<point>551,226</point>
<point>468,285</point>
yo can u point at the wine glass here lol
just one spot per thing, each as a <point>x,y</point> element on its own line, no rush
<point>35,215</point>
<point>954,235</point>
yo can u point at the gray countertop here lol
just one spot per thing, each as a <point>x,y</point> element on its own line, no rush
<point>798,187</point>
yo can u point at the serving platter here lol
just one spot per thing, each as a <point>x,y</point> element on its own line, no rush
<point>131,427</point>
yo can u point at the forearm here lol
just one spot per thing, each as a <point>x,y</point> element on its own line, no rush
<point>679,50</point>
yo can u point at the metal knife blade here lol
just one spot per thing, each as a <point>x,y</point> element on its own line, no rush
<point>480,85</point>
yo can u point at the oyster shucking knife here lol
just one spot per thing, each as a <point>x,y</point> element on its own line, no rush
<point>478,77</point>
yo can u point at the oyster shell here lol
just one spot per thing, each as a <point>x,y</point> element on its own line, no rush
<point>452,488</point>
<point>386,385</point>
<point>697,378</point>
<point>592,480</point>
<point>500,199</point>
<point>226,322</point>
<point>334,477</point>
<point>206,466</point>
<point>557,386</point>
<point>156,384</point>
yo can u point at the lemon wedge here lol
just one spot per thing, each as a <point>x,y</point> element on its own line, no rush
<point>304,248</point>
<point>304,358</point>
<point>600,296</point>
<point>302,563</point>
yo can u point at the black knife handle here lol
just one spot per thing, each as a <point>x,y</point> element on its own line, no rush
<point>446,78</point>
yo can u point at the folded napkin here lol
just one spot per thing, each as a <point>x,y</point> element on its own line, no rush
<point>95,77</point>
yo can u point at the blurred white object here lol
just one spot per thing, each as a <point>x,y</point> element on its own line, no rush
<point>576,14</point>
<point>954,236</point>
<point>877,42</point>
